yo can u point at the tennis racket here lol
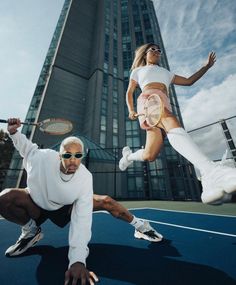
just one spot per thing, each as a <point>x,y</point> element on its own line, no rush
<point>153,110</point>
<point>50,126</point>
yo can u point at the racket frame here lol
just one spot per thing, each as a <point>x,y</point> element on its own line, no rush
<point>46,121</point>
<point>161,106</point>
<point>54,120</point>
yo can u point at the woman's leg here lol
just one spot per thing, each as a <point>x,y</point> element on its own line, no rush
<point>168,121</point>
<point>218,181</point>
<point>154,142</point>
<point>180,140</point>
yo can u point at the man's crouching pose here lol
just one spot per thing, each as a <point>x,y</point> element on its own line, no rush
<point>59,188</point>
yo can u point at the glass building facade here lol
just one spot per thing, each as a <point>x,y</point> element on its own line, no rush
<point>84,79</point>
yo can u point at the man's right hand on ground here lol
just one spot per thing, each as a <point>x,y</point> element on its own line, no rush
<point>13,125</point>
<point>78,272</point>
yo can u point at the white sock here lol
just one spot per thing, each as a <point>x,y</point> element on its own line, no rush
<point>136,156</point>
<point>30,226</point>
<point>136,222</point>
<point>183,143</point>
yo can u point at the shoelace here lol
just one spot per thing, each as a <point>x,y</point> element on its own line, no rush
<point>151,234</point>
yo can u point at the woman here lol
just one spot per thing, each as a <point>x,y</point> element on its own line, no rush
<point>217,181</point>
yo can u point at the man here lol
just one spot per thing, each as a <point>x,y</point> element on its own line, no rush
<point>59,188</point>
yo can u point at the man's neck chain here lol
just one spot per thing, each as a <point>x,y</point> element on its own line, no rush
<point>66,180</point>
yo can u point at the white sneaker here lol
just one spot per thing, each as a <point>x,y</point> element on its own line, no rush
<point>148,233</point>
<point>217,184</point>
<point>26,240</point>
<point>226,198</point>
<point>124,162</point>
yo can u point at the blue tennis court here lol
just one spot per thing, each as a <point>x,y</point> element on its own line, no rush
<point>197,249</point>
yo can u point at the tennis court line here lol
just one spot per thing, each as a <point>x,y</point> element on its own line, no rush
<point>172,225</point>
<point>190,228</point>
<point>179,226</point>
<point>179,211</point>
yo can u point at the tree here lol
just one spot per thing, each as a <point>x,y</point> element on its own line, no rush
<point>6,152</point>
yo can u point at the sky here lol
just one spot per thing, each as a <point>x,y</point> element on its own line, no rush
<point>190,30</point>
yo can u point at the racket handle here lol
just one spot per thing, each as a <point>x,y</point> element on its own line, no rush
<point>29,124</point>
<point>22,123</point>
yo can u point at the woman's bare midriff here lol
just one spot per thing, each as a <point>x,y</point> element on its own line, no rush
<point>156,85</point>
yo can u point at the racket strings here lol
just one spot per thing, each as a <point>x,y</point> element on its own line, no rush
<point>56,126</point>
<point>154,110</point>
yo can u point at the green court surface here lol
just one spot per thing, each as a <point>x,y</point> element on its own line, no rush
<point>196,207</point>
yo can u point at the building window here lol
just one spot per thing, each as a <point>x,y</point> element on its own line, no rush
<point>102,139</point>
<point>115,141</point>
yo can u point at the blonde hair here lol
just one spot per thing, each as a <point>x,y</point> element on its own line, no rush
<point>140,55</point>
<point>70,140</point>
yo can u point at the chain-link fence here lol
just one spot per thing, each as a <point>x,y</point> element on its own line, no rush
<point>169,178</point>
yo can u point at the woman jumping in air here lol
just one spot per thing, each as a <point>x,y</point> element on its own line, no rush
<point>217,181</point>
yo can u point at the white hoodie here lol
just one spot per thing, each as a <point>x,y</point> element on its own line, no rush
<point>49,192</point>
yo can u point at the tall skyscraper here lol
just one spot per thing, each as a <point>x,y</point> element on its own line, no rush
<point>84,79</point>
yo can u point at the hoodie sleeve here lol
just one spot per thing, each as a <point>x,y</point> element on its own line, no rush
<point>23,145</point>
<point>81,224</point>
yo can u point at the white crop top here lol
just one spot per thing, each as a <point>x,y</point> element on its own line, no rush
<point>151,73</point>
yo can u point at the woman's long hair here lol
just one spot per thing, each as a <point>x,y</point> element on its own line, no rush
<point>140,55</point>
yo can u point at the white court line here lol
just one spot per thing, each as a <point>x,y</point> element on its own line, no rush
<point>179,226</point>
<point>187,212</point>
<point>174,225</point>
<point>193,229</point>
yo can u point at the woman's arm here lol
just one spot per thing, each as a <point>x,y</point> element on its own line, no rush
<point>129,97</point>
<point>180,80</point>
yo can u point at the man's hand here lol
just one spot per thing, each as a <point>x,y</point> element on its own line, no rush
<point>211,59</point>
<point>78,272</point>
<point>13,125</point>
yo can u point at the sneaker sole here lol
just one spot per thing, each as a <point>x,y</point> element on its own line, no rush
<point>230,188</point>
<point>140,235</point>
<point>30,244</point>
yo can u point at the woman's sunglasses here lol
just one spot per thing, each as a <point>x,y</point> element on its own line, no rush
<point>68,155</point>
<point>154,49</point>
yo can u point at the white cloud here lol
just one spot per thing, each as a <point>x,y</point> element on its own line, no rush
<point>209,106</point>
<point>191,29</point>
<point>216,103</point>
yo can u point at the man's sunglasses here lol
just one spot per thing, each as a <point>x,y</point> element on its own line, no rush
<point>154,49</point>
<point>68,155</point>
